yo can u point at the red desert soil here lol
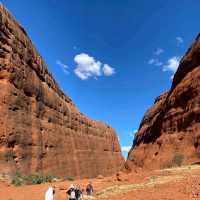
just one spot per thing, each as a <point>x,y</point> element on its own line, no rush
<point>170,184</point>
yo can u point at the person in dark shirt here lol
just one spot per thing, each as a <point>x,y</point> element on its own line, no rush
<point>89,189</point>
<point>71,192</point>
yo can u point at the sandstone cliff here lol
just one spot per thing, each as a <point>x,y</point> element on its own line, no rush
<point>172,125</point>
<point>41,128</point>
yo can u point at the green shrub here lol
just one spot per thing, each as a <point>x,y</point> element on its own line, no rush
<point>20,179</point>
<point>70,178</point>
<point>153,178</point>
<point>176,161</point>
<point>198,155</point>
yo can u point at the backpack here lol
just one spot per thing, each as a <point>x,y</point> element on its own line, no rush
<point>78,193</point>
<point>73,194</point>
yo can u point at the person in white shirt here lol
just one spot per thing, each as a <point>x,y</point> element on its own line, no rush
<point>49,195</point>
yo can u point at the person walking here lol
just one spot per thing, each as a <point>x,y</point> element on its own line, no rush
<point>89,189</point>
<point>71,192</point>
<point>49,195</point>
<point>78,192</point>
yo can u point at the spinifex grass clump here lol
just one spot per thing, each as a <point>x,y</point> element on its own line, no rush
<point>176,161</point>
<point>20,179</point>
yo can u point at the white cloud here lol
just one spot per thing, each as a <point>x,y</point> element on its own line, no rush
<point>135,131</point>
<point>108,70</point>
<point>158,51</point>
<point>172,77</point>
<point>158,63</point>
<point>151,61</point>
<point>126,148</point>
<point>155,61</point>
<point>179,40</point>
<point>132,133</point>
<point>118,138</point>
<point>63,66</point>
<point>172,64</point>
<point>88,66</point>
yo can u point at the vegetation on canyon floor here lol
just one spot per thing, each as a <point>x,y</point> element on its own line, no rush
<point>21,179</point>
<point>176,161</point>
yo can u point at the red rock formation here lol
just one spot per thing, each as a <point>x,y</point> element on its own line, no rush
<point>41,129</point>
<point>172,125</point>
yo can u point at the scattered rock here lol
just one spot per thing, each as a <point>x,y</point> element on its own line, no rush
<point>63,188</point>
<point>100,177</point>
<point>120,176</point>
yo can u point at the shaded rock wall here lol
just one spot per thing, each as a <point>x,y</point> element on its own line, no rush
<point>41,129</point>
<point>172,125</point>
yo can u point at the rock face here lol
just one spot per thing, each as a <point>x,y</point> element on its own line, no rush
<point>41,129</point>
<point>170,129</point>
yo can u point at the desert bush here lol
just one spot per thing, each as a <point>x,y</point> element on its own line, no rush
<point>198,155</point>
<point>176,161</point>
<point>20,179</point>
<point>70,178</point>
<point>153,178</point>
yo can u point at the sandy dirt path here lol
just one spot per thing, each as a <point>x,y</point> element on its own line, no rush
<point>173,184</point>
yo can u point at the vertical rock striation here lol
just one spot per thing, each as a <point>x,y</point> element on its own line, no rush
<point>41,128</point>
<point>171,126</point>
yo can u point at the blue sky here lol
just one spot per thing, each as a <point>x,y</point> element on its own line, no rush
<point>112,57</point>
